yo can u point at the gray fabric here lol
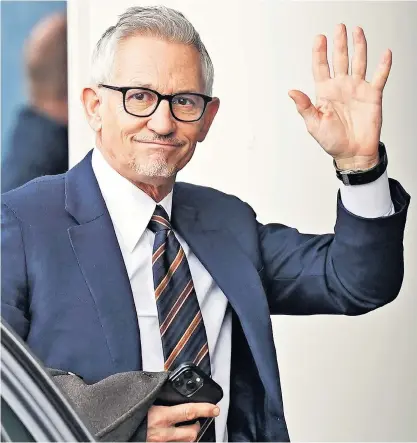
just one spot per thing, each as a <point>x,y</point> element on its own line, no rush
<point>114,408</point>
<point>142,431</point>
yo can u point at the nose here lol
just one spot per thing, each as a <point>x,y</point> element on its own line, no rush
<point>162,121</point>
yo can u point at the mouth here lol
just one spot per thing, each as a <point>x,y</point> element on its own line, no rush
<point>162,145</point>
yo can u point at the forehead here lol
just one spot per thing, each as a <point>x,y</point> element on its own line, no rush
<point>165,66</point>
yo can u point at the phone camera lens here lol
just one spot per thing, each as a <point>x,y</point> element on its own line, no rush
<point>188,374</point>
<point>178,382</point>
<point>191,385</point>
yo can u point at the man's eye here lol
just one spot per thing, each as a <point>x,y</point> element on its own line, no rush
<point>183,101</point>
<point>138,96</point>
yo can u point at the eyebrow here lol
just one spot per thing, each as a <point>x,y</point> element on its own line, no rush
<point>136,84</point>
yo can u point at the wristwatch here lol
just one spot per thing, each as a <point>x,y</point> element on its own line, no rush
<point>351,177</point>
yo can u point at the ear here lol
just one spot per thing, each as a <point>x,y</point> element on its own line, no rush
<point>208,118</point>
<point>91,102</point>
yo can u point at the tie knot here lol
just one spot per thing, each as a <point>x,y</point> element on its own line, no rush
<point>159,221</point>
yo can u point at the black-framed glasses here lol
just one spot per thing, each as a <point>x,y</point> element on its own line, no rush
<point>143,102</point>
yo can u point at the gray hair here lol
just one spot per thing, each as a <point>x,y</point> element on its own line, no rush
<point>158,21</point>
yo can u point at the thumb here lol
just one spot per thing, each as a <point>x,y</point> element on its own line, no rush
<point>306,109</point>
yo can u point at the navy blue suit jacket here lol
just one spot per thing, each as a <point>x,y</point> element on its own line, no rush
<point>66,292</point>
<point>38,146</point>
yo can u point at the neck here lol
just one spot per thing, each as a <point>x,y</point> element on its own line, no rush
<point>55,110</point>
<point>156,192</point>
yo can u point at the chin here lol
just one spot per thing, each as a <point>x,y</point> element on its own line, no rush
<point>155,170</point>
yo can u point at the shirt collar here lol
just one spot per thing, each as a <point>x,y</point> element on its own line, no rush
<point>129,207</point>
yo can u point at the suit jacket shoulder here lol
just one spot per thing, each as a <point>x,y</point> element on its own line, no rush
<point>213,203</point>
<point>43,195</point>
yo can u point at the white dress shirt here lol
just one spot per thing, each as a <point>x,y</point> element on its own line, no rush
<point>131,209</point>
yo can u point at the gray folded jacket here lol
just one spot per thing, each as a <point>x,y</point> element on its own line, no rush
<point>115,408</point>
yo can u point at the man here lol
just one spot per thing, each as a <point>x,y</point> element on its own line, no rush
<point>114,267</point>
<point>39,141</point>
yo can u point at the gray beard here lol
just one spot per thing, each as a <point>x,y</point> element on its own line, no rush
<point>154,168</point>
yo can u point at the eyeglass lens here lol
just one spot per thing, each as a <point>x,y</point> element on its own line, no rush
<point>185,107</point>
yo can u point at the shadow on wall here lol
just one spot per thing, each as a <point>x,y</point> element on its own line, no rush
<point>34,118</point>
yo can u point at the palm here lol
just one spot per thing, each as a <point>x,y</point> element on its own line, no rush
<point>347,117</point>
<point>350,112</point>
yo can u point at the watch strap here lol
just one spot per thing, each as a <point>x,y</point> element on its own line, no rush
<point>361,177</point>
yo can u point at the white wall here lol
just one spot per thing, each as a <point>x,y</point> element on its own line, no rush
<point>344,379</point>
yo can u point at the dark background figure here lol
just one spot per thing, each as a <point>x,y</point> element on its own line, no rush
<point>38,141</point>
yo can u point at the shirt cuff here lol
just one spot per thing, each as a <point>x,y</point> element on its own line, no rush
<point>372,200</point>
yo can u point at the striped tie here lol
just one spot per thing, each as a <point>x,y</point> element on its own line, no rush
<point>181,324</point>
<point>180,321</point>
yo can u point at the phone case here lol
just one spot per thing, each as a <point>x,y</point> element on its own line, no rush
<point>209,392</point>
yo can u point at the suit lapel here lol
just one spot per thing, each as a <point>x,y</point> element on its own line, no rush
<point>96,248</point>
<point>98,254</point>
<point>237,277</point>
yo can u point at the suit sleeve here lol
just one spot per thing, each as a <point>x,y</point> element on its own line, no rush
<point>353,271</point>
<point>14,288</point>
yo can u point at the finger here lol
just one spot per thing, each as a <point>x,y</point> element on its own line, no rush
<point>190,411</point>
<point>306,109</point>
<point>186,433</point>
<point>340,51</point>
<point>321,69</point>
<point>359,59</point>
<point>195,426</point>
<point>181,433</point>
<point>382,72</point>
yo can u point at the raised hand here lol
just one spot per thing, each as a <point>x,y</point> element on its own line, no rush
<point>347,117</point>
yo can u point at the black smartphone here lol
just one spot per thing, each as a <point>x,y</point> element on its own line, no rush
<point>189,384</point>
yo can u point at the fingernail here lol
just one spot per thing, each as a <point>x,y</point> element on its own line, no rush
<point>216,411</point>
